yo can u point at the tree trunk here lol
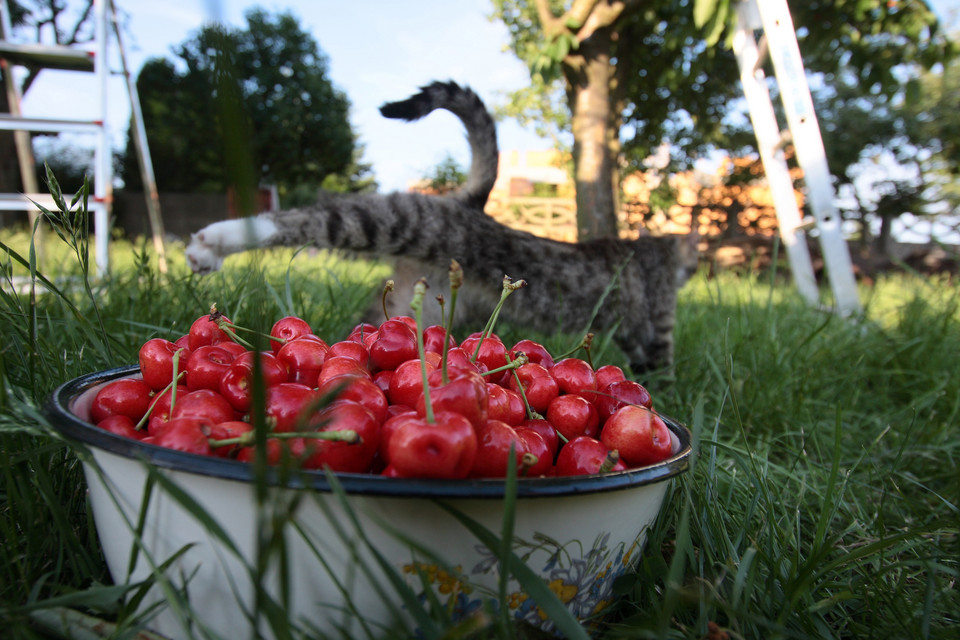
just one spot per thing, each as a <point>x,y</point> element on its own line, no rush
<point>596,145</point>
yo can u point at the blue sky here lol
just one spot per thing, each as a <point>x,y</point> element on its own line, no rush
<point>378,50</point>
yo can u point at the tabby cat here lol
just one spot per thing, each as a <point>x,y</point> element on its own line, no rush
<point>565,281</point>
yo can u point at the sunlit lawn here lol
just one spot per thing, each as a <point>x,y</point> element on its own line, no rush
<point>823,503</point>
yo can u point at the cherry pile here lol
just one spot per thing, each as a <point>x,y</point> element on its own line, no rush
<point>359,405</point>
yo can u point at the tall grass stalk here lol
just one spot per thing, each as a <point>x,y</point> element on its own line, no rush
<point>824,502</point>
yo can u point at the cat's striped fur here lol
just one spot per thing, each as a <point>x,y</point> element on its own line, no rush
<point>564,281</point>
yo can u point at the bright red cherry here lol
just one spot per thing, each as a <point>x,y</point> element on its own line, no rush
<point>396,343</point>
<point>586,456</point>
<point>574,376</point>
<point>206,365</point>
<point>127,396</point>
<point>286,329</point>
<point>534,351</point>
<point>156,362</point>
<point>446,448</point>
<point>573,416</point>
<point>620,393</point>
<point>494,442</point>
<point>639,435</point>
<point>205,331</point>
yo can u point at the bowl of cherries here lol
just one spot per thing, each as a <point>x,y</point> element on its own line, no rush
<point>387,452</point>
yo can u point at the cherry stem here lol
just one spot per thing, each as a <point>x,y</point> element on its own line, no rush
<point>508,287</point>
<point>456,281</point>
<point>171,387</point>
<point>613,457</point>
<point>526,461</point>
<point>245,440</point>
<point>516,363</point>
<point>531,414</point>
<point>387,288</point>
<point>583,344</point>
<point>419,291</point>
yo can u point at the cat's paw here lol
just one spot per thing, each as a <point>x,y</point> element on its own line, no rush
<point>202,255</point>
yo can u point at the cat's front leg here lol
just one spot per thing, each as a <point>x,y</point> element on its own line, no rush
<point>209,246</point>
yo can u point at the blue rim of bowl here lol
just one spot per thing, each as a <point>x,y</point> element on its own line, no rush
<point>58,410</point>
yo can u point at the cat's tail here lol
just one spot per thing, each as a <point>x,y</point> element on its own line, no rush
<point>481,131</point>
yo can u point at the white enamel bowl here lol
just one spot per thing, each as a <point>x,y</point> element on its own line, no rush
<point>579,534</point>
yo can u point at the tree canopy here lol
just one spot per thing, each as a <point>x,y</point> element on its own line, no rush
<point>241,106</point>
<point>628,76</point>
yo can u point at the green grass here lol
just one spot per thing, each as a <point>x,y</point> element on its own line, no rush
<point>823,502</point>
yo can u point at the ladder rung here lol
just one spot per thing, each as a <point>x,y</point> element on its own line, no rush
<point>47,56</point>
<point>25,202</point>
<point>55,125</point>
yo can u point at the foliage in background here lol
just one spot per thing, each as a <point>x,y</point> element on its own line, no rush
<point>629,76</point>
<point>293,123</point>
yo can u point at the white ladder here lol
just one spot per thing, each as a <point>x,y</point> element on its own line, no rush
<point>71,59</point>
<point>780,41</point>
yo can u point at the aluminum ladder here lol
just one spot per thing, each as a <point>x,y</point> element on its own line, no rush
<point>88,60</point>
<point>779,41</point>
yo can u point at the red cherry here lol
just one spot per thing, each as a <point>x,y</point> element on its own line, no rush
<point>286,401</point>
<point>539,387</point>
<point>156,362</point>
<point>130,397</point>
<point>185,434</point>
<point>574,375</point>
<point>433,339</point>
<point>465,393</point>
<point>236,385</point>
<point>344,415</point>
<point>340,366</point>
<point>226,431</point>
<point>121,425</point>
<point>547,431</point>
<point>573,416</point>
<point>304,357</point>
<point>609,373</point>
<point>618,394</point>
<point>350,349</point>
<point>160,407</point>
<point>584,456</point>
<point>396,343</point>
<point>445,449</point>
<point>407,320</point>
<point>398,416</point>
<point>494,440</point>
<point>505,405</point>
<point>287,329</point>
<point>535,444</point>
<point>205,331</point>
<point>206,365</point>
<point>275,450</point>
<point>534,351</point>
<point>357,389</point>
<point>639,435</point>
<point>362,332</point>
<point>206,404</point>
<point>492,352</point>
<point>406,384</point>
<point>457,358</point>
<point>382,379</point>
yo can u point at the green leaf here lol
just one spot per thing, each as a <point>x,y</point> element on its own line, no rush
<point>704,11</point>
